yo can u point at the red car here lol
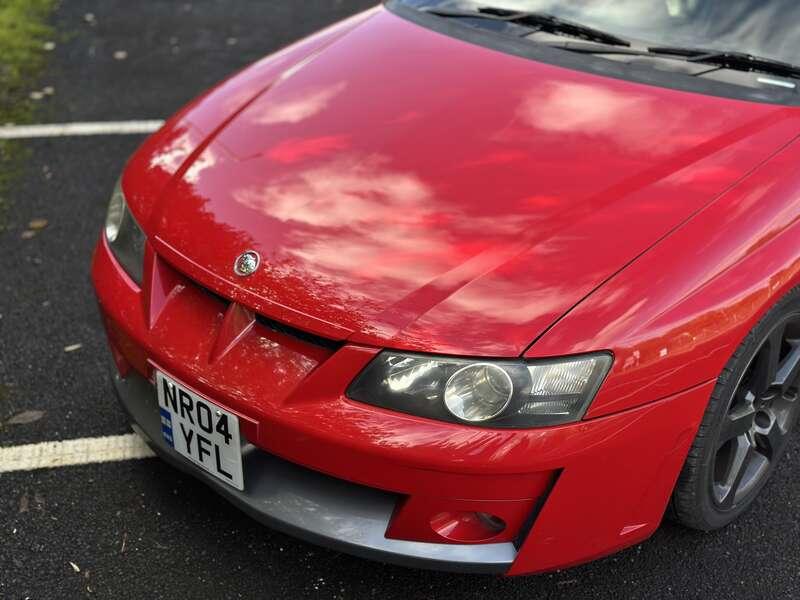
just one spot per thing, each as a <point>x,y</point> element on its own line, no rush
<point>470,287</point>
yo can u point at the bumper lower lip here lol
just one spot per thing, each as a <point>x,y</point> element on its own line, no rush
<point>312,506</point>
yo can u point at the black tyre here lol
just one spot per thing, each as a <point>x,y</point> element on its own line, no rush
<point>745,430</point>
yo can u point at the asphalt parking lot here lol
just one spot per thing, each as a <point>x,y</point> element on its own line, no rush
<point>139,528</point>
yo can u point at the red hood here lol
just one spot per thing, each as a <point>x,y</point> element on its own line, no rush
<point>411,190</point>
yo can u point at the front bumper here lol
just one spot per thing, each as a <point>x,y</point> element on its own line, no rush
<point>369,481</point>
<point>309,505</point>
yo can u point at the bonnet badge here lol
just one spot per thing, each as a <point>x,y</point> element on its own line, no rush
<point>247,263</point>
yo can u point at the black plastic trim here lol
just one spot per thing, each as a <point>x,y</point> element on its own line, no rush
<point>301,335</point>
<point>530,521</point>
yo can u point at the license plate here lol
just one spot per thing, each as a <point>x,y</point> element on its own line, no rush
<point>201,431</point>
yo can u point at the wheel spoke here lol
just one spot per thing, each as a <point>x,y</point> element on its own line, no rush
<point>737,423</point>
<point>768,362</point>
<point>742,455</point>
<point>785,409</point>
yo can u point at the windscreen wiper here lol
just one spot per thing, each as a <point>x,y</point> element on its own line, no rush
<point>535,20</point>
<point>740,61</point>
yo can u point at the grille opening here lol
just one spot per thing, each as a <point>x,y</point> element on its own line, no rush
<point>304,336</point>
<point>277,326</point>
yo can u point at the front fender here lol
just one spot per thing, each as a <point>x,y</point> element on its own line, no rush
<point>675,316</point>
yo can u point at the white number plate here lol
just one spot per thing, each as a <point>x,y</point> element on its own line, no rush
<point>201,431</point>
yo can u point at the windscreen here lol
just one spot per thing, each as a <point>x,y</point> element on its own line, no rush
<point>765,28</point>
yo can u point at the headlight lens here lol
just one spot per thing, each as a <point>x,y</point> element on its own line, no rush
<point>115,214</point>
<point>477,393</point>
<point>504,394</point>
<point>125,237</point>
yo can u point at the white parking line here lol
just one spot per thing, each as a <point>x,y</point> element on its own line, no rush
<point>83,451</point>
<point>18,132</point>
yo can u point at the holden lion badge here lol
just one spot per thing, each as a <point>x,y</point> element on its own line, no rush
<point>247,263</point>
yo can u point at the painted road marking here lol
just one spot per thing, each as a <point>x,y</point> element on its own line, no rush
<point>18,132</point>
<point>83,451</point>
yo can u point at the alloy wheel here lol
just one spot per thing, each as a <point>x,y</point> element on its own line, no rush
<point>762,412</point>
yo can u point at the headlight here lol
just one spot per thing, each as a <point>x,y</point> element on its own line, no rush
<point>125,237</point>
<point>507,394</point>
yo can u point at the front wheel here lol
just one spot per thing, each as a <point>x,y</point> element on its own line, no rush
<point>746,427</point>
